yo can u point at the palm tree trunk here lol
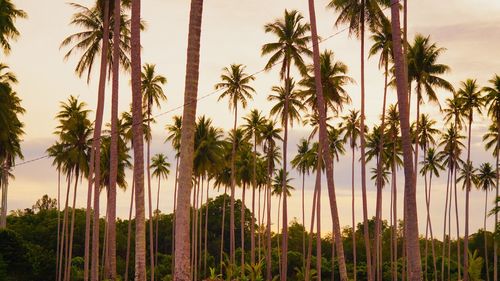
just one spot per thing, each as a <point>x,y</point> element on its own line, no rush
<point>242,223</point>
<point>333,257</point>
<point>355,271</point>
<point>485,237</point>
<point>444,224</point>
<point>157,214</point>
<point>495,242</point>
<point>311,236</point>
<point>206,231</point>
<point>138,140</point>
<point>174,212</point>
<point>64,234</point>
<point>72,231</point>
<point>114,144</point>
<point>182,243</point>
<point>411,220</point>
<point>467,191</point>
<point>433,246</point>
<point>319,255</point>
<point>232,243</point>
<point>222,228</point>
<point>259,225</point>
<point>324,144</point>
<point>456,218</point>
<point>278,235</point>
<point>150,203</point>
<point>449,226</point>
<point>303,223</point>
<point>254,186</point>
<point>58,220</point>
<point>268,228</point>
<point>95,160</point>
<point>284,242</point>
<point>129,230</point>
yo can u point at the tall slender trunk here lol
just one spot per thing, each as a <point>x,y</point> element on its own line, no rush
<point>444,224</point>
<point>205,253</point>
<point>129,231</point>
<point>284,241</point>
<point>433,244</point>
<point>232,241</point>
<point>303,223</point>
<point>449,227</point>
<point>311,236</point>
<point>95,158</point>
<point>318,225</point>
<point>411,220</point>
<point>157,214</point>
<point>324,144</point>
<point>467,191</point>
<point>242,224</point>
<point>254,186</point>
<point>182,243</point>
<point>456,217</point>
<point>72,231</point>
<point>64,234</point>
<point>278,236</point>
<point>138,140</point>
<point>222,228</point>
<point>355,271</point>
<point>495,242</point>
<point>58,220</point>
<point>486,237</point>
<point>150,203</point>
<point>174,211</point>
<point>113,172</point>
<point>268,211</point>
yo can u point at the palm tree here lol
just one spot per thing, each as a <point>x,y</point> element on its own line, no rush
<point>431,165</point>
<point>350,127</point>
<point>152,95</point>
<point>254,122</point>
<point>96,24</point>
<point>161,169</point>
<point>486,176</point>
<point>302,163</point>
<point>8,30</point>
<point>138,144</point>
<point>469,96</point>
<point>10,137</point>
<point>492,99</point>
<point>411,218</point>
<point>358,13</point>
<point>270,134</point>
<point>291,45</point>
<point>235,83</point>
<point>182,244</point>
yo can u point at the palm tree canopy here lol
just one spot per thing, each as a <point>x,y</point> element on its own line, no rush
<point>295,105</point>
<point>486,176</point>
<point>302,160</point>
<point>451,142</point>
<point>470,98</point>
<point>277,184</point>
<point>426,131</point>
<point>235,83</point>
<point>174,132</point>
<point>253,125</point>
<point>424,69</point>
<point>160,166</point>
<point>491,138</point>
<point>432,163</point>
<point>151,87</point>
<point>453,111</point>
<point>8,30</point>
<point>382,42</point>
<point>335,143</point>
<point>293,37</point>
<point>350,126</point>
<point>492,97</point>
<point>208,147</point>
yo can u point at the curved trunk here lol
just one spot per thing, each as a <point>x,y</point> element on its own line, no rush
<point>284,242</point>
<point>64,234</point>
<point>138,143</point>
<point>433,246</point>
<point>444,225</point>
<point>411,220</point>
<point>259,227</point>
<point>182,243</point>
<point>324,144</point>
<point>129,231</point>
<point>232,242</point>
<point>58,220</point>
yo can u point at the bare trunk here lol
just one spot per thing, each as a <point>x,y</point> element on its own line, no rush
<point>150,203</point>
<point>456,218</point>
<point>64,234</point>
<point>206,231</point>
<point>127,262</point>
<point>182,243</point>
<point>232,242</point>
<point>157,214</point>
<point>138,140</point>
<point>303,223</point>
<point>254,186</point>
<point>174,211</point>
<point>355,271</point>
<point>495,242</point>
<point>318,224</point>
<point>311,236</point>
<point>58,221</point>
<point>95,158</point>
<point>324,144</point>
<point>284,242</point>
<point>72,231</point>
<point>222,227</point>
<point>242,232</point>
<point>467,191</point>
<point>411,220</point>
<point>444,224</point>
<point>269,276</point>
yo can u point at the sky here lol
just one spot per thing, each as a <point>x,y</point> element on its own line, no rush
<point>233,32</point>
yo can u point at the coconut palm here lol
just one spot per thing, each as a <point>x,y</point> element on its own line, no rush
<point>431,165</point>
<point>486,176</point>
<point>292,39</point>
<point>270,134</point>
<point>8,30</point>
<point>235,84</point>
<point>161,169</point>
<point>470,97</point>
<point>356,14</point>
<point>411,217</point>
<point>253,123</point>
<point>152,95</point>
<point>302,163</point>
<point>492,100</point>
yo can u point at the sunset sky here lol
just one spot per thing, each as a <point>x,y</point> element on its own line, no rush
<point>233,33</point>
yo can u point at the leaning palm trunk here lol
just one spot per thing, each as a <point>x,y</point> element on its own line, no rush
<point>58,219</point>
<point>411,218</point>
<point>444,224</point>
<point>429,224</point>
<point>113,172</point>
<point>324,144</point>
<point>157,219</point>
<point>138,140</point>
<point>72,228</point>
<point>95,161</point>
<point>182,243</point>
<point>64,230</point>
<point>129,231</point>
<point>313,214</point>
<point>303,223</point>
<point>456,216</point>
